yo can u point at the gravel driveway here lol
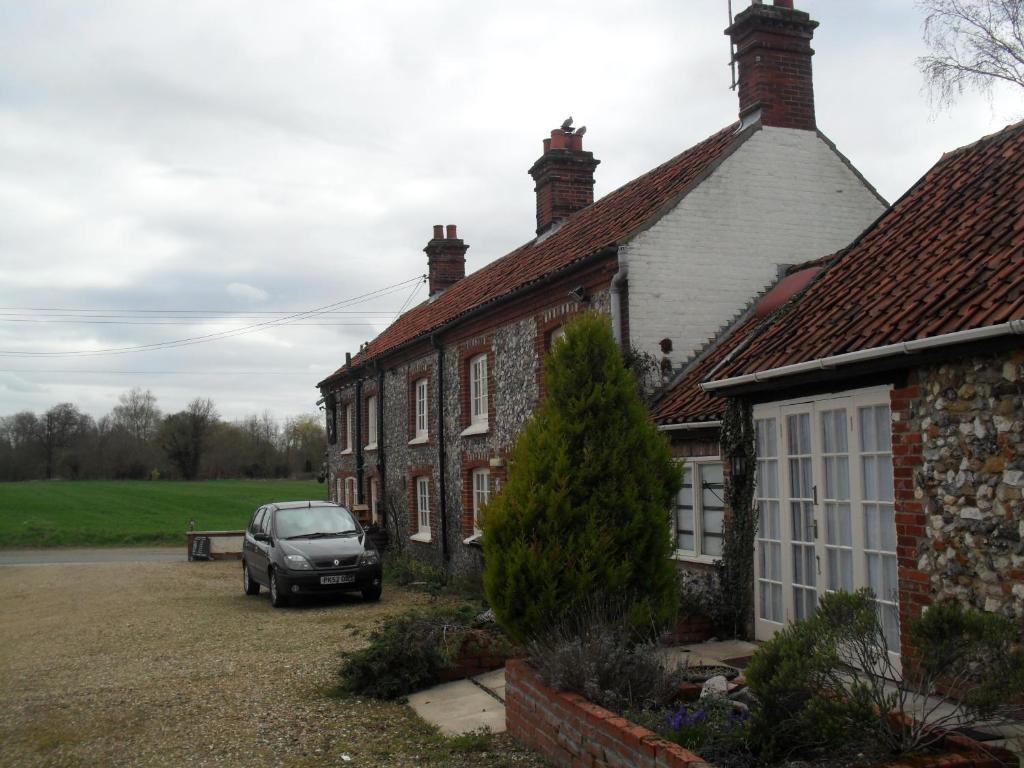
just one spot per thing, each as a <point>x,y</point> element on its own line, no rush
<point>170,664</point>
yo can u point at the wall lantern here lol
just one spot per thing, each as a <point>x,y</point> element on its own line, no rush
<point>739,466</point>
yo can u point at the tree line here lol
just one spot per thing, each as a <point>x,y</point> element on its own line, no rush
<point>137,441</point>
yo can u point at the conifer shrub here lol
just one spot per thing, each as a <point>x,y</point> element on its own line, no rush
<point>584,514</point>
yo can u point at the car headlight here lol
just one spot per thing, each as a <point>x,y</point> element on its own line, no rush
<point>369,557</point>
<point>297,563</point>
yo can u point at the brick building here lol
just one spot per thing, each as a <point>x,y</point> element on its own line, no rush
<point>421,419</point>
<point>887,392</point>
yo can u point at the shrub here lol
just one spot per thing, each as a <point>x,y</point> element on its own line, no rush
<point>406,654</point>
<point>823,682</point>
<point>714,728</point>
<point>585,509</point>
<point>592,651</point>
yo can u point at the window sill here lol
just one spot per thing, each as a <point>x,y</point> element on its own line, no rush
<point>422,440</point>
<point>370,447</point>
<point>475,540</point>
<point>346,452</point>
<point>686,557</point>
<point>480,428</point>
<point>423,538</point>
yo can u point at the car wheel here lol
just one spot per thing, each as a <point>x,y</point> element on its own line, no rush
<point>372,594</point>
<point>278,598</point>
<point>249,584</point>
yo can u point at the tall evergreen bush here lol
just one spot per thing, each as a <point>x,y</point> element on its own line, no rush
<point>584,515</point>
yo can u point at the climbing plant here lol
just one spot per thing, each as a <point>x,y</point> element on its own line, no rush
<point>736,567</point>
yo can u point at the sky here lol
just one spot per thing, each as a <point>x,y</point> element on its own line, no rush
<point>202,176</point>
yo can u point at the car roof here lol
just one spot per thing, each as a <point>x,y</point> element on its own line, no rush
<point>297,504</point>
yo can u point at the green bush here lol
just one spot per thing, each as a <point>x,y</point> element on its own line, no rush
<point>584,513</point>
<point>406,654</point>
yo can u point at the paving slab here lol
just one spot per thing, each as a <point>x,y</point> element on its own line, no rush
<point>459,707</point>
<point>493,681</point>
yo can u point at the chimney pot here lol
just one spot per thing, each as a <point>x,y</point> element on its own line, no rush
<point>563,179</point>
<point>451,232</point>
<point>438,232</point>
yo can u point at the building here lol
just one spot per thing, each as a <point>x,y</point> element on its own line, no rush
<point>421,419</point>
<point>888,399</point>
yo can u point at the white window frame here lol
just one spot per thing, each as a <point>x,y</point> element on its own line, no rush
<point>478,394</point>
<point>338,490</point>
<point>481,490</point>
<point>371,423</point>
<point>696,555</point>
<point>348,429</point>
<point>350,493</point>
<point>421,412</point>
<point>852,401</point>
<point>375,499</point>
<point>421,487</point>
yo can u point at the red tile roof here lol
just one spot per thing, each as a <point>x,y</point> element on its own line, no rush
<point>948,256</point>
<point>685,401</point>
<point>604,223</point>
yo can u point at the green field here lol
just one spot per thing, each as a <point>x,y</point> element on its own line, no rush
<point>63,513</point>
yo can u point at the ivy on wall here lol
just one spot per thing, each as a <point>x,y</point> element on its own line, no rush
<point>736,568</point>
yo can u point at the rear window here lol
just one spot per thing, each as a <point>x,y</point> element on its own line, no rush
<point>303,521</point>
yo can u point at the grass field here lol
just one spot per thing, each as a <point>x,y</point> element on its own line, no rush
<point>63,513</point>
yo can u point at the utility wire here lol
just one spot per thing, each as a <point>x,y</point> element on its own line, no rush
<point>205,338</point>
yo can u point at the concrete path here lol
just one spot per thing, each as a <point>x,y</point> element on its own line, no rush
<point>465,705</point>
<point>92,555</point>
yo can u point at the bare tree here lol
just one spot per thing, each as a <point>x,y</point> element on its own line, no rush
<point>137,414</point>
<point>973,43</point>
<point>55,431</point>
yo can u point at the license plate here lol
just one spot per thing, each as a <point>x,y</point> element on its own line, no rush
<point>344,578</point>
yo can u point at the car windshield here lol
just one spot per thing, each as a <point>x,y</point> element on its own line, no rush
<point>310,522</point>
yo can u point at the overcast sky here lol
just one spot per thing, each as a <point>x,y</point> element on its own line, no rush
<point>171,170</point>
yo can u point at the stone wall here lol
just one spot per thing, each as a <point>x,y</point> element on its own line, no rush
<point>969,416</point>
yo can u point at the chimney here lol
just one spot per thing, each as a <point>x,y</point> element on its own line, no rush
<point>446,259</point>
<point>564,177</point>
<point>772,46</point>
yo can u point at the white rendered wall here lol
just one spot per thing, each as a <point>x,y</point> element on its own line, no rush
<point>783,197</point>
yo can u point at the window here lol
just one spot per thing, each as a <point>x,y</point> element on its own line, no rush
<point>422,509</point>
<point>478,389</point>
<point>420,404</point>
<point>481,494</point>
<point>350,492</point>
<point>332,419</point>
<point>700,510</point>
<point>348,428</point>
<point>375,500</point>
<point>371,422</point>
<point>338,496</point>
<point>555,335</point>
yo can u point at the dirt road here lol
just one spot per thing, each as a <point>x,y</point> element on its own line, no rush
<point>169,664</point>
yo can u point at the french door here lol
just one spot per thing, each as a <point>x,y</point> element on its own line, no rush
<point>826,511</point>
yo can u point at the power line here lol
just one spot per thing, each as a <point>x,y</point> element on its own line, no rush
<point>161,373</point>
<point>205,338</point>
<point>159,322</point>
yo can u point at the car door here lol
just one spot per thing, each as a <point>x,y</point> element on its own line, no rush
<point>256,551</point>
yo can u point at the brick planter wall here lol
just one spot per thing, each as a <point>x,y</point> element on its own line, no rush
<point>569,731</point>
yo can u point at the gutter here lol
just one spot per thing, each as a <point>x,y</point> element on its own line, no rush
<point>1013,327</point>
<point>611,250</point>
<point>618,281</point>
<point>689,425</point>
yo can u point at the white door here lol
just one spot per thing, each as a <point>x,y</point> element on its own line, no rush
<point>825,501</point>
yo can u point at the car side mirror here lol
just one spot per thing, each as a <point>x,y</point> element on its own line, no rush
<point>264,537</point>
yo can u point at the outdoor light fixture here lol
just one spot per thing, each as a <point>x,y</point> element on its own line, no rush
<point>739,466</point>
<point>579,293</point>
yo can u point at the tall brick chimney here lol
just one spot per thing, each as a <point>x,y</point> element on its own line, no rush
<point>446,259</point>
<point>773,50</point>
<point>564,177</point>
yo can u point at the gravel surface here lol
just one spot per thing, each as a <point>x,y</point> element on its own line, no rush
<point>169,664</point>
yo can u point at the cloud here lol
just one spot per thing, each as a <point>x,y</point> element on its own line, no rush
<point>246,292</point>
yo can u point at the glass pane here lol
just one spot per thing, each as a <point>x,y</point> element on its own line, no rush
<point>887,526</point>
<point>832,557</point>
<point>885,489</point>
<point>711,544</point>
<point>842,478</point>
<point>775,553</point>
<point>871,538</point>
<point>685,542</point>
<point>828,432</point>
<point>846,569</point>
<point>883,426</point>
<point>810,566</point>
<point>889,586</point>
<point>777,602</point>
<point>874,574</point>
<point>792,434</point>
<point>684,517</point>
<point>805,472</point>
<point>845,525</point>
<point>891,627</point>
<point>805,433</point>
<point>870,470</point>
<point>868,438</point>
<point>771,479</point>
<point>711,519</point>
